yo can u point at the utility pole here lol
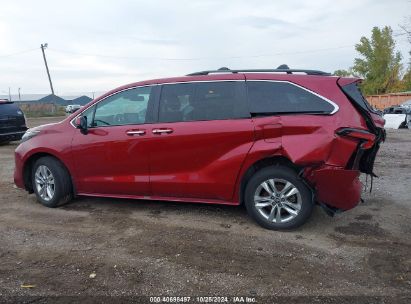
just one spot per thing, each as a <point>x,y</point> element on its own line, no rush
<point>19,95</point>
<point>9,95</point>
<point>43,46</point>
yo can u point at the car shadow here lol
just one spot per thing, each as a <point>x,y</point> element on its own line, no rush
<point>9,143</point>
<point>225,214</point>
<point>120,205</point>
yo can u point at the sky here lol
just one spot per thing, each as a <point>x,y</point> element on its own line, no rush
<point>95,46</point>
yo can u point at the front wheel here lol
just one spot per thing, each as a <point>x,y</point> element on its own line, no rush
<point>51,182</point>
<point>277,199</point>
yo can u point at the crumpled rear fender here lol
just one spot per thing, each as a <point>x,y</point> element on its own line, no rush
<point>309,142</point>
<point>336,187</point>
<point>324,155</point>
<point>312,141</point>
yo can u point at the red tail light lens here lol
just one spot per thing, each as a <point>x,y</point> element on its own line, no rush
<point>366,138</point>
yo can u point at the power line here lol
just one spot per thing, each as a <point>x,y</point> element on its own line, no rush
<point>192,58</point>
<point>395,34</point>
<point>198,58</point>
<point>18,53</point>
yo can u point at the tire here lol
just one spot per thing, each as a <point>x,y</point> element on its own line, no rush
<point>52,170</point>
<point>289,196</point>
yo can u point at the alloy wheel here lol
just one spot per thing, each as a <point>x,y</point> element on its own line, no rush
<point>277,200</point>
<point>45,183</point>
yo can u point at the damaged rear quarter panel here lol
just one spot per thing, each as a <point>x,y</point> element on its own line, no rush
<point>303,139</point>
<point>306,140</point>
<point>310,142</point>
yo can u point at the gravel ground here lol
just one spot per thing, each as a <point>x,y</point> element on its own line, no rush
<point>146,248</point>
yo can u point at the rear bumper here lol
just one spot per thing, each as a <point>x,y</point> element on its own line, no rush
<point>339,187</point>
<point>336,187</point>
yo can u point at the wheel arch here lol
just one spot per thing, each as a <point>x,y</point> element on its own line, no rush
<point>276,160</point>
<point>29,163</point>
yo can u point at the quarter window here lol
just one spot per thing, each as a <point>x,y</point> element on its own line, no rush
<point>281,97</point>
<point>203,101</point>
<point>124,108</point>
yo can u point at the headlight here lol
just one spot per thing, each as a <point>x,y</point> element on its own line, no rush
<point>29,134</point>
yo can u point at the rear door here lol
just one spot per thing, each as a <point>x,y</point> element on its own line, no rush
<point>293,117</point>
<point>112,159</point>
<point>201,140</point>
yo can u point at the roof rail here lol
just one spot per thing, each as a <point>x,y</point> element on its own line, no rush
<point>278,70</point>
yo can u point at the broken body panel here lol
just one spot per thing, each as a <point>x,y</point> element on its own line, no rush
<point>330,160</point>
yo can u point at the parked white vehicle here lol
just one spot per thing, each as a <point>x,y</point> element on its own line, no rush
<point>397,117</point>
<point>72,108</point>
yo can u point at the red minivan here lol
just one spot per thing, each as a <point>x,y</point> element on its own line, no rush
<point>278,141</point>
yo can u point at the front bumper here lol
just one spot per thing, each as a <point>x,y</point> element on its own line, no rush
<point>18,169</point>
<point>12,136</point>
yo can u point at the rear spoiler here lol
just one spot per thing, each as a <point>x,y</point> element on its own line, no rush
<point>343,81</point>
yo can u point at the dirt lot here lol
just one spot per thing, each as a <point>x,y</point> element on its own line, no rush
<point>158,248</point>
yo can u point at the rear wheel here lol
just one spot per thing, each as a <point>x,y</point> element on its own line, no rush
<point>51,182</point>
<point>277,199</point>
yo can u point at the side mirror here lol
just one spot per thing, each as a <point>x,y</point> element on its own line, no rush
<point>81,123</point>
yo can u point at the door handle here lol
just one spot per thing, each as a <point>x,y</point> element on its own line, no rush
<point>136,132</point>
<point>161,131</point>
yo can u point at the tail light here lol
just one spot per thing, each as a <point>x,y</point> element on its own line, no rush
<point>366,138</point>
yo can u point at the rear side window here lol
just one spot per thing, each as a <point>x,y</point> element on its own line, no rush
<point>203,101</point>
<point>266,97</point>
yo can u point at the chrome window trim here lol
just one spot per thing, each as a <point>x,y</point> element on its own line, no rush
<point>336,107</point>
